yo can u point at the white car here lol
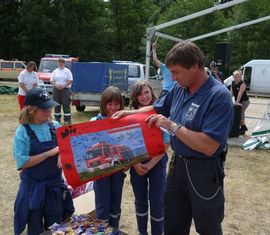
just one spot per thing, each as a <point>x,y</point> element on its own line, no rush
<point>136,72</point>
<point>228,81</point>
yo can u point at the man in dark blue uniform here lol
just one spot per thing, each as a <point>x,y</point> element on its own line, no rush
<point>200,110</point>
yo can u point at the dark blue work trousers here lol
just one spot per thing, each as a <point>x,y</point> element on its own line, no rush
<point>150,187</point>
<point>108,196</point>
<point>62,97</point>
<point>194,189</point>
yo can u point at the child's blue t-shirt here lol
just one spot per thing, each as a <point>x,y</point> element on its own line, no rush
<point>168,83</point>
<point>21,141</point>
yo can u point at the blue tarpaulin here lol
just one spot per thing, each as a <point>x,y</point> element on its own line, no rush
<point>95,77</point>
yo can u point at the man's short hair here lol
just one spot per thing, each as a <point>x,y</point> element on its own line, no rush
<point>185,54</point>
<point>61,60</point>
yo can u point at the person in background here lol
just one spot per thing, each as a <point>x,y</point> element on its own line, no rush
<point>214,71</point>
<point>198,113</point>
<point>28,79</point>
<point>168,82</point>
<point>42,198</point>
<point>61,80</point>
<point>148,178</point>
<point>108,190</point>
<point>239,91</point>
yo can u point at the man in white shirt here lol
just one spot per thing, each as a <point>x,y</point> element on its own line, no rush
<point>61,81</point>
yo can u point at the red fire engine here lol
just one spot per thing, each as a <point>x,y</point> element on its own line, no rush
<point>103,155</point>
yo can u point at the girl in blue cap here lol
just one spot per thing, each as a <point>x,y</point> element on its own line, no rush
<point>42,199</point>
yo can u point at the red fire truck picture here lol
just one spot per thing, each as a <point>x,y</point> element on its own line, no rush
<point>102,155</point>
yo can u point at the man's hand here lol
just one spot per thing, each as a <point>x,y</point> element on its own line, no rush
<point>159,121</point>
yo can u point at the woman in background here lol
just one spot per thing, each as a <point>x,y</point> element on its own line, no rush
<point>28,79</point>
<point>61,80</point>
<point>239,91</point>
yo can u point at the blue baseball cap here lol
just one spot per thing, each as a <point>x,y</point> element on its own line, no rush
<point>39,98</point>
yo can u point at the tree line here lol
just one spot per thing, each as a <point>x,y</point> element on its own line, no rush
<point>98,30</point>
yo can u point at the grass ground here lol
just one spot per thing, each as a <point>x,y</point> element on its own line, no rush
<point>247,182</point>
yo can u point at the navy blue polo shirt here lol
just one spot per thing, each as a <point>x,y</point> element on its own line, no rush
<point>209,110</point>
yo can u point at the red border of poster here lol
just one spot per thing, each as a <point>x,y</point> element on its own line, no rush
<point>152,139</point>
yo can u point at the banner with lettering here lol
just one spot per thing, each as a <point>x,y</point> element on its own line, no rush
<point>93,150</point>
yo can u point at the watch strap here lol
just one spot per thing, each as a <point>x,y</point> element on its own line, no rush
<point>174,127</point>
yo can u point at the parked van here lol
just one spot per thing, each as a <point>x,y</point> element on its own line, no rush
<point>136,72</point>
<point>10,69</point>
<point>48,64</point>
<point>256,74</point>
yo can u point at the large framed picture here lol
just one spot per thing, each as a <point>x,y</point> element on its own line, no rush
<point>92,150</point>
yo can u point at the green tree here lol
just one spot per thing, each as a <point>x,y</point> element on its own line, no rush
<point>252,41</point>
<point>192,28</point>
<point>129,23</point>
<point>101,31</point>
<point>247,43</point>
<point>9,29</point>
<point>57,26</point>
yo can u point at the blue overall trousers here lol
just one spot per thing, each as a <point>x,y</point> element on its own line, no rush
<point>43,198</point>
<point>108,196</point>
<point>150,186</point>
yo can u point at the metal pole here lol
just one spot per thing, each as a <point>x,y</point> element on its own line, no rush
<point>149,34</point>
<point>198,14</point>
<point>147,58</point>
<point>163,35</point>
<point>229,28</point>
<point>151,31</point>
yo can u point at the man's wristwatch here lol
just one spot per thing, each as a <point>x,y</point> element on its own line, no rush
<point>174,127</point>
